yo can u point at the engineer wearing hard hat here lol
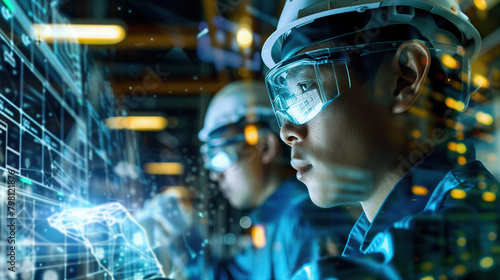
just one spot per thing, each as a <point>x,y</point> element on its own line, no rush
<point>377,87</point>
<point>244,155</point>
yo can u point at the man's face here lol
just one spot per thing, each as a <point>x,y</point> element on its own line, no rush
<point>243,180</point>
<point>343,143</point>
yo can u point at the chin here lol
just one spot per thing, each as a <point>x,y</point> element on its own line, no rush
<point>324,198</point>
<point>319,198</point>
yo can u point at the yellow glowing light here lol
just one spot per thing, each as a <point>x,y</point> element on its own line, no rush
<point>484,118</point>
<point>415,133</point>
<point>459,269</point>
<point>486,262</point>
<point>251,134</point>
<point>258,236</point>
<point>454,104</point>
<point>459,126</point>
<point>461,241</point>
<point>481,81</point>
<point>84,33</point>
<point>489,196</point>
<point>419,190</point>
<point>457,194</point>
<point>164,168</point>
<point>492,236</point>
<point>461,160</point>
<point>450,62</point>
<point>144,123</point>
<point>427,278</point>
<point>481,4</point>
<point>244,37</point>
<point>461,148</point>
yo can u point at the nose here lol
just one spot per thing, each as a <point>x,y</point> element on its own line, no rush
<point>291,133</point>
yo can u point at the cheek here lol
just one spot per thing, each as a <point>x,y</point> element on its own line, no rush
<point>239,179</point>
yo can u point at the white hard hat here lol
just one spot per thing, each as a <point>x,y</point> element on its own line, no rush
<point>235,102</point>
<point>441,16</point>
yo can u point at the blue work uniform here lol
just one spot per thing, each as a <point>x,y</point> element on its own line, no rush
<point>440,220</point>
<point>292,225</point>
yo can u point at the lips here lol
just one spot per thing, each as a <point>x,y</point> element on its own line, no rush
<point>302,167</point>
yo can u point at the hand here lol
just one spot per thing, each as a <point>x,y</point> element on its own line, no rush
<point>114,238</point>
<point>166,217</point>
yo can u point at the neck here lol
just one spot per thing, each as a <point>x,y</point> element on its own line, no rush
<point>384,184</point>
<point>271,183</point>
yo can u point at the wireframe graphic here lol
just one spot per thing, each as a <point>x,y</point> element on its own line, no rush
<point>54,143</point>
<point>115,239</point>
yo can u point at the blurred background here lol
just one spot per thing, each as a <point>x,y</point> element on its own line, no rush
<point>110,110</point>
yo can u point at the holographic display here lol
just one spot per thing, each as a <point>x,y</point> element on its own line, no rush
<point>61,159</point>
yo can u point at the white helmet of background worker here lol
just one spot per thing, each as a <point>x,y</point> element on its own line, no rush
<point>237,101</point>
<point>447,32</point>
<point>238,123</point>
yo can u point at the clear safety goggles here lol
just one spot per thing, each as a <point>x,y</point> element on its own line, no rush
<point>303,85</point>
<point>219,154</point>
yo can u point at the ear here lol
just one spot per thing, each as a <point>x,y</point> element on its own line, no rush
<point>271,148</point>
<point>412,62</point>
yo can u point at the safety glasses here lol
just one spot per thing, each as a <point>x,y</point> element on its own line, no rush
<point>303,85</point>
<point>220,153</point>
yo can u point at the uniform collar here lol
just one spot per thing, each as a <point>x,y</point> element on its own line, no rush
<point>409,197</point>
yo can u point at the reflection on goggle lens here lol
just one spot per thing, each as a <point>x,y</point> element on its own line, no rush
<point>220,162</point>
<point>303,85</point>
<point>220,153</point>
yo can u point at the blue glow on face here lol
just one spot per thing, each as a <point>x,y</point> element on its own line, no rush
<point>220,161</point>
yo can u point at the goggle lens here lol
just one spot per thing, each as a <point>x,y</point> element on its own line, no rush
<point>297,91</point>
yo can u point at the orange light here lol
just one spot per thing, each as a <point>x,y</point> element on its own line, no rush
<point>454,104</point>
<point>143,123</point>
<point>415,133</point>
<point>452,146</point>
<point>419,190</point>
<point>484,118</point>
<point>461,160</point>
<point>258,236</point>
<point>85,33</point>
<point>450,62</point>
<point>481,4</point>
<point>251,134</point>
<point>458,194</point>
<point>481,81</point>
<point>164,168</point>
<point>489,196</point>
